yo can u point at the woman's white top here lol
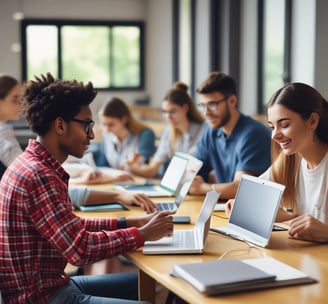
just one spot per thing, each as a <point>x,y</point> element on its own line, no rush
<point>9,146</point>
<point>311,189</point>
<point>186,143</point>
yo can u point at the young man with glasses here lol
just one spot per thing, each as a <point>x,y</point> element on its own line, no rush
<point>232,144</point>
<point>39,233</point>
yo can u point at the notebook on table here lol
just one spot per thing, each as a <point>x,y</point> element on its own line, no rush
<point>254,211</point>
<point>168,184</point>
<point>187,241</point>
<point>112,206</point>
<point>232,275</point>
<point>221,276</point>
<point>192,169</point>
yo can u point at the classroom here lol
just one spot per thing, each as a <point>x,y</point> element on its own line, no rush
<point>142,47</point>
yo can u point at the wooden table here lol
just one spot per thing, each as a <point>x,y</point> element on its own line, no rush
<point>310,258</point>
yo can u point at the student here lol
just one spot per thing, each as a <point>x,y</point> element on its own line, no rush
<point>39,232</point>
<point>10,106</point>
<point>10,109</point>
<point>298,117</point>
<point>185,125</point>
<point>123,136</point>
<point>232,143</point>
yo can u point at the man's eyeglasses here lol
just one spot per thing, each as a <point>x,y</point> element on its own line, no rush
<point>88,124</point>
<point>210,106</point>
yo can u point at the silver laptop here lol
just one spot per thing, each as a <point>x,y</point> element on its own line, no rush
<point>168,184</point>
<point>187,241</point>
<point>254,211</point>
<point>192,169</point>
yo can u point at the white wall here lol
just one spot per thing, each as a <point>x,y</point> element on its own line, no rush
<point>9,35</point>
<point>248,60</point>
<point>321,48</point>
<point>159,50</point>
<point>202,41</point>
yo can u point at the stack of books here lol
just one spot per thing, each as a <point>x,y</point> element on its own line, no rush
<point>232,275</point>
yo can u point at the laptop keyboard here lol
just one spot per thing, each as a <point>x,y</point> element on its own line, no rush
<point>183,239</point>
<point>166,206</point>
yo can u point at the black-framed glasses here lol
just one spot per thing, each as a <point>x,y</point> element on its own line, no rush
<point>211,105</point>
<point>88,124</point>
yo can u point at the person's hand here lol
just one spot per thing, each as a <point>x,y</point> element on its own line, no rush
<point>228,206</point>
<point>125,177</point>
<point>198,186</point>
<point>308,228</point>
<point>133,160</point>
<point>160,224</point>
<point>139,199</point>
<point>91,176</point>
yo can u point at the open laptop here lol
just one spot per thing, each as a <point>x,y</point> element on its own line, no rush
<point>169,182</point>
<point>254,211</point>
<point>194,165</point>
<point>187,241</point>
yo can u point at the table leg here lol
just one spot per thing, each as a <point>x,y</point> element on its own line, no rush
<point>147,287</point>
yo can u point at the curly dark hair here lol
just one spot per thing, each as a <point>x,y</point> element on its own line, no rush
<point>46,98</point>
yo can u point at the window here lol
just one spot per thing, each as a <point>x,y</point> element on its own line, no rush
<point>273,46</point>
<point>110,54</point>
<point>274,56</point>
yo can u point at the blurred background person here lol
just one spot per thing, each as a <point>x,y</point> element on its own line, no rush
<point>123,136</point>
<point>10,106</point>
<point>181,134</point>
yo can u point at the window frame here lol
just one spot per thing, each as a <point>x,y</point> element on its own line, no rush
<point>63,22</point>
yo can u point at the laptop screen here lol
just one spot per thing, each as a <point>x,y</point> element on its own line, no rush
<point>174,173</point>
<point>256,204</point>
<point>194,164</point>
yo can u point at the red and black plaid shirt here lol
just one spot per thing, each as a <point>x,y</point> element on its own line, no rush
<point>39,233</point>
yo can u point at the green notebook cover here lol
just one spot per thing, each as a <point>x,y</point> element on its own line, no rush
<point>114,206</point>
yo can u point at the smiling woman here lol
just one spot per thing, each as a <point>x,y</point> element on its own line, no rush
<point>298,117</point>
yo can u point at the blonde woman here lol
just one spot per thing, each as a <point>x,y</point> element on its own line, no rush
<point>182,132</point>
